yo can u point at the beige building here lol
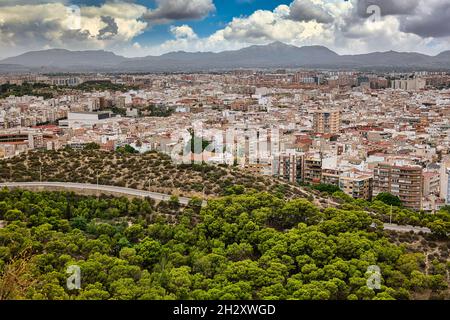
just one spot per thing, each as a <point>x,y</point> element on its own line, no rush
<point>431,183</point>
<point>409,84</point>
<point>328,121</point>
<point>444,178</point>
<point>331,176</point>
<point>404,181</point>
<point>358,186</point>
<point>312,169</point>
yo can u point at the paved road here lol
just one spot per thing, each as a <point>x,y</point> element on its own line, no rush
<point>398,228</point>
<point>92,187</point>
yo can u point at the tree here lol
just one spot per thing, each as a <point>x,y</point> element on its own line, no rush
<point>14,215</point>
<point>134,233</point>
<point>196,204</point>
<point>440,229</point>
<point>295,212</point>
<point>246,246</point>
<point>174,202</point>
<point>124,289</point>
<point>94,292</point>
<point>389,199</point>
<point>235,190</point>
<point>127,149</point>
<point>328,188</point>
<point>79,222</point>
<point>180,282</point>
<point>150,251</point>
<point>92,146</point>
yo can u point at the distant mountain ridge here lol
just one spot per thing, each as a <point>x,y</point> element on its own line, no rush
<point>274,55</point>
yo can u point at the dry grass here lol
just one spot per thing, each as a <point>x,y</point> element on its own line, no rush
<point>152,171</point>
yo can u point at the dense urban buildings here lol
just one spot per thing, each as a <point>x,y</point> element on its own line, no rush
<point>365,133</point>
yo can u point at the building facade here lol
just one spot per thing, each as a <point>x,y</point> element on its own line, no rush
<point>327,121</point>
<point>404,181</point>
<point>358,186</point>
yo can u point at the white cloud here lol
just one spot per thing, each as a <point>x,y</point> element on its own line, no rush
<point>183,32</point>
<point>307,10</point>
<point>346,33</point>
<point>340,25</point>
<point>169,10</point>
<point>35,26</point>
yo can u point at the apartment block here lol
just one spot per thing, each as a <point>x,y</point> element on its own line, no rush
<point>327,121</point>
<point>331,176</point>
<point>358,186</point>
<point>447,196</point>
<point>444,180</point>
<point>431,183</point>
<point>409,84</point>
<point>404,181</point>
<point>312,169</point>
<point>289,167</point>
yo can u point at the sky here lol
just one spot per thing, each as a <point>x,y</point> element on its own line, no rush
<point>152,27</point>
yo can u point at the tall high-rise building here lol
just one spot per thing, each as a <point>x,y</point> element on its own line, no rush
<point>327,121</point>
<point>409,84</point>
<point>444,177</point>
<point>447,199</point>
<point>404,181</point>
<point>312,169</point>
<point>288,166</point>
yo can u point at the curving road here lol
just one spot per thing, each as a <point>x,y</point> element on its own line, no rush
<point>92,187</point>
<point>399,228</point>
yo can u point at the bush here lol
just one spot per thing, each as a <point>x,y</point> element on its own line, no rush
<point>389,199</point>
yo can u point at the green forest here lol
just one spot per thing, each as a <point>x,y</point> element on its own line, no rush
<point>27,89</point>
<point>246,246</point>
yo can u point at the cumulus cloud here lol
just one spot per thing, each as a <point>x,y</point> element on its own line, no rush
<point>307,10</point>
<point>431,19</point>
<point>388,7</point>
<point>343,26</point>
<point>169,10</point>
<point>425,18</point>
<point>348,32</point>
<point>35,26</point>
<point>183,32</point>
<point>6,3</point>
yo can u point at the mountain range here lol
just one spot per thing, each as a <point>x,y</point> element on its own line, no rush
<point>274,55</point>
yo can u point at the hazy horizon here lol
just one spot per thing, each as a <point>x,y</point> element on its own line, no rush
<point>140,28</point>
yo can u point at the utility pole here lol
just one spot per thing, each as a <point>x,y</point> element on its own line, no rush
<point>40,174</point>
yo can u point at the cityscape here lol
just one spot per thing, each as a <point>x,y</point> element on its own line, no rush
<point>273,170</point>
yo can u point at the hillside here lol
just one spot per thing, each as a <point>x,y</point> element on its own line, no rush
<point>273,55</point>
<point>241,247</point>
<point>157,173</point>
<point>151,171</point>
